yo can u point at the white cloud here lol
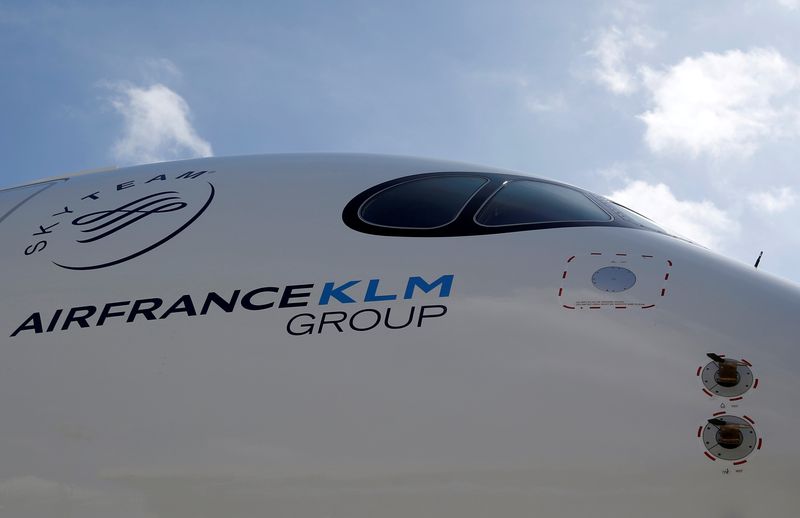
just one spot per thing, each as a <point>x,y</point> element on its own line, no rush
<point>792,5</point>
<point>612,49</point>
<point>722,103</point>
<point>522,86</point>
<point>702,222</point>
<point>774,200</point>
<point>551,103</point>
<point>156,126</point>
<point>154,68</point>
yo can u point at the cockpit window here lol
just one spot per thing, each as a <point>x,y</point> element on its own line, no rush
<point>634,217</point>
<point>422,203</point>
<point>475,203</point>
<point>527,201</point>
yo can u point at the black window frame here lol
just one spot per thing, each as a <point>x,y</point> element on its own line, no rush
<point>465,223</point>
<point>422,178</point>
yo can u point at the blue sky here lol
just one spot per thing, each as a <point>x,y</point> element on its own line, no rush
<point>689,113</point>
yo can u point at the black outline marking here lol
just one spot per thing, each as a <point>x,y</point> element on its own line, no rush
<point>151,247</point>
<point>464,224</point>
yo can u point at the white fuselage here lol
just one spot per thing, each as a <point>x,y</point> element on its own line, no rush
<point>212,357</point>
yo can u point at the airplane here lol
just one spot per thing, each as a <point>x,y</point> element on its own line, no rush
<point>351,335</point>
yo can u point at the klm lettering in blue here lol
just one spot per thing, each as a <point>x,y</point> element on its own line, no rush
<point>346,292</point>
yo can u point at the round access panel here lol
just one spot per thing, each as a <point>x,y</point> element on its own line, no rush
<point>710,377</point>
<point>613,279</point>
<point>732,439</point>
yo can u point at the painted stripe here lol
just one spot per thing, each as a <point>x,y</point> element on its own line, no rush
<point>700,431</point>
<point>710,395</point>
<point>736,398</point>
<point>700,368</point>
<point>759,443</point>
<point>663,291</point>
<point>739,462</point>
<point>710,456</point>
<point>718,413</point>
<point>28,198</point>
<point>569,307</point>
<point>560,291</point>
<point>749,419</point>
<point>570,259</point>
<point>747,362</point>
<point>756,383</point>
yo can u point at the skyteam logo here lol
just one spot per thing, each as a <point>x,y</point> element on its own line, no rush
<point>123,221</point>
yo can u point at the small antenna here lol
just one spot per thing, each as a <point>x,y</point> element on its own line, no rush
<point>758,261</point>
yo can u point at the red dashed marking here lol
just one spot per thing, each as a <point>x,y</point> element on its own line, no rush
<point>669,263</point>
<point>709,394</point>
<point>736,398</point>
<point>756,383</point>
<point>759,443</point>
<point>747,362</point>
<point>565,273</point>
<point>718,413</point>
<point>700,431</point>
<point>739,462</point>
<point>700,368</point>
<point>749,419</point>
<point>710,456</point>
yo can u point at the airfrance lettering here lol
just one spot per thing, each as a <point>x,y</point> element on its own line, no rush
<point>335,293</point>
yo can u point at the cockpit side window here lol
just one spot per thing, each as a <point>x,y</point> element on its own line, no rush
<point>524,202</point>
<point>423,203</point>
<point>634,217</point>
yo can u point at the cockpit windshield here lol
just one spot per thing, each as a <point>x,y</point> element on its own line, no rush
<point>438,204</point>
<point>528,201</point>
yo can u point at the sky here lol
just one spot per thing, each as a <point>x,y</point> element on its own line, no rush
<point>688,112</point>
